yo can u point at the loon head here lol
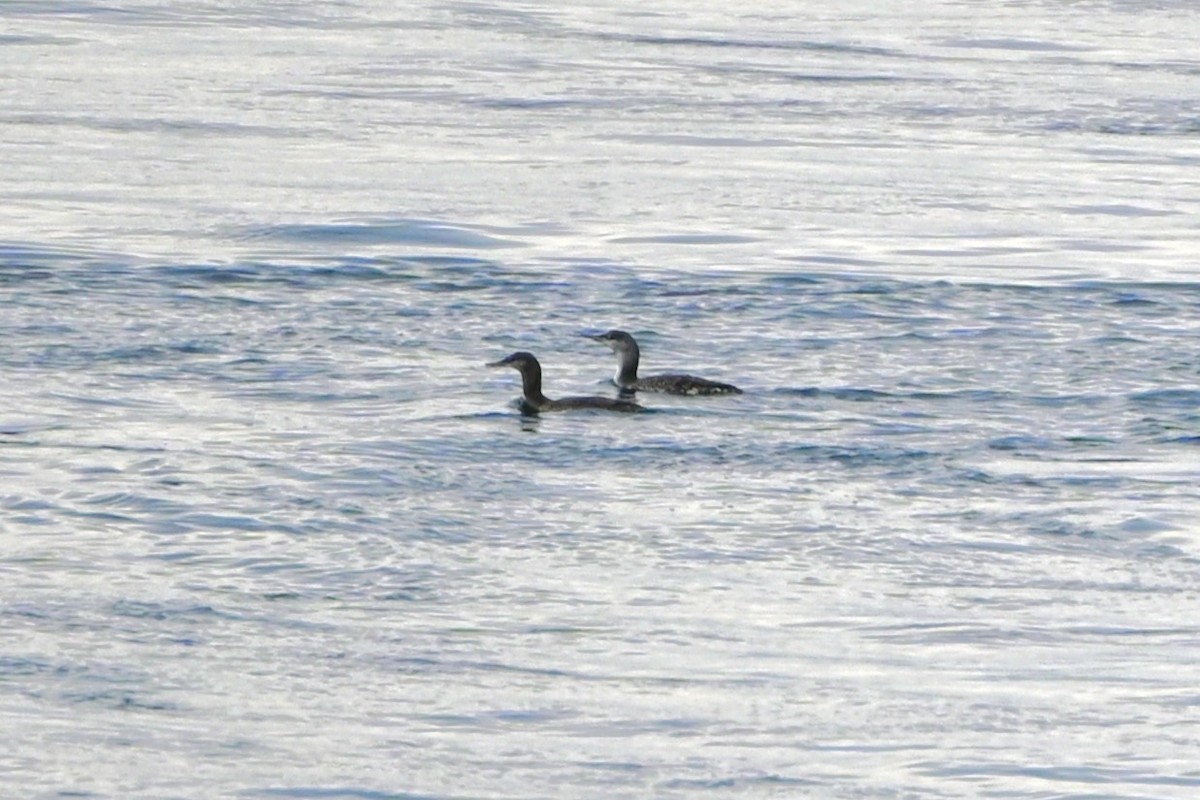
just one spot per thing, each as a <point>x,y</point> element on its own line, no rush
<point>531,375</point>
<point>627,355</point>
<point>619,341</point>
<point>520,361</point>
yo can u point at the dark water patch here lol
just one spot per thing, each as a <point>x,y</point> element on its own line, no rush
<point>1050,523</point>
<point>1014,44</point>
<point>1117,340</point>
<point>768,782</point>
<point>195,16</point>
<point>866,395</point>
<point>342,793</point>
<point>1118,210</point>
<point>1078,442</point>
<point>718,288</point>
<point>17,433</point>
<point>159,125</point>
<point>561,444</point>
<point>919,336</point>
<point>1134,299</point>
<point>960,633</point>
<point>873,286</point>
<point>1175,128</point>
<point>179,556</point>
<point>79,8</point>
<point>27,504</point>
<point>108,518</point>
<point>19,666</point>
<point>839,78</point>
<point>153,353</point>
<point>1186,634</point>
<point>630,767</point>
<point>107,685</point>
<point>200,275</point>
<point>1022,443</point>
<point>668,290</point>
<point>978,251</point>
<point>698,784</point>
<point>428,272</point>
<point>836,48</point>
<point>1081,287</point>
<point>899,429</point>
<point>1176,67</point>
<point>1067,528</point>
<point>429,233</point>
<point>34,262</point>
<point>444,262</point>
<point>1065,774</point>
<point>113,401</point>
<point>469,666</point>
<point>15,39</point>
<point>232,523</point>
<point>865,747</point>
<point>1162,431</point>
<point>162,612</point>
<point>488,16</point>
<point>1167,398</point>
<point>855,456</point>
<point>847,394</point>
<point>685,238</point>
<point>375,585</point>
<point>1069,400</point>
<point>1132,127</point>
<point>696,140</point>
<point>118,700</point>
<point>543,103</point>
<point>282,597</point>
<point>529,716</point>
<point>342,270</point>
<point>984,396</point>
<point>833,261</point>
<point>924,632</point>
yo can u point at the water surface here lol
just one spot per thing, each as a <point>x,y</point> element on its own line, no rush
<point>269,529</point>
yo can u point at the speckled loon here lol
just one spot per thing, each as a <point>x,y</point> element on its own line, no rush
<point>627,364</point>
<point>534,401</point>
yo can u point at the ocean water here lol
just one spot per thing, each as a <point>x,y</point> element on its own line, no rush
<point>269,529</point>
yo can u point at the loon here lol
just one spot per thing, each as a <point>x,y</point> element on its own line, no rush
<point>534,401</point>
<point>627,363</point>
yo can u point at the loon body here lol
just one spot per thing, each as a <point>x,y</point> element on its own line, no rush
<point>534,401</point>
<point>627,364</point>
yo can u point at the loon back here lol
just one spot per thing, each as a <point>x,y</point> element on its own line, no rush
<point>683,384</point>
<point>534,401</point>
<point>603,403</point>
<point>628,356</point>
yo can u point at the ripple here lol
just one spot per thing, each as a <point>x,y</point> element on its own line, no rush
<point>384,232</point>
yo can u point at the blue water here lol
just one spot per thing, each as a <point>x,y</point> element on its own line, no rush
<point>269,529</point>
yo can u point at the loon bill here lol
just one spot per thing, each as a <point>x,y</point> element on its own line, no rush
<point>533,399</point>
<point>627,365</point>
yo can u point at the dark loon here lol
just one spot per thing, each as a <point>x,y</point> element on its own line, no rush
<point>534,401</point>
<point>627,364</point>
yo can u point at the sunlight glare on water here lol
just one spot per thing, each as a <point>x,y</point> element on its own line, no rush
<point>269,528</point>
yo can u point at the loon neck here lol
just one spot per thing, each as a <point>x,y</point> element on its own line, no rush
<point>531,384</point>
<point>627,366</point>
